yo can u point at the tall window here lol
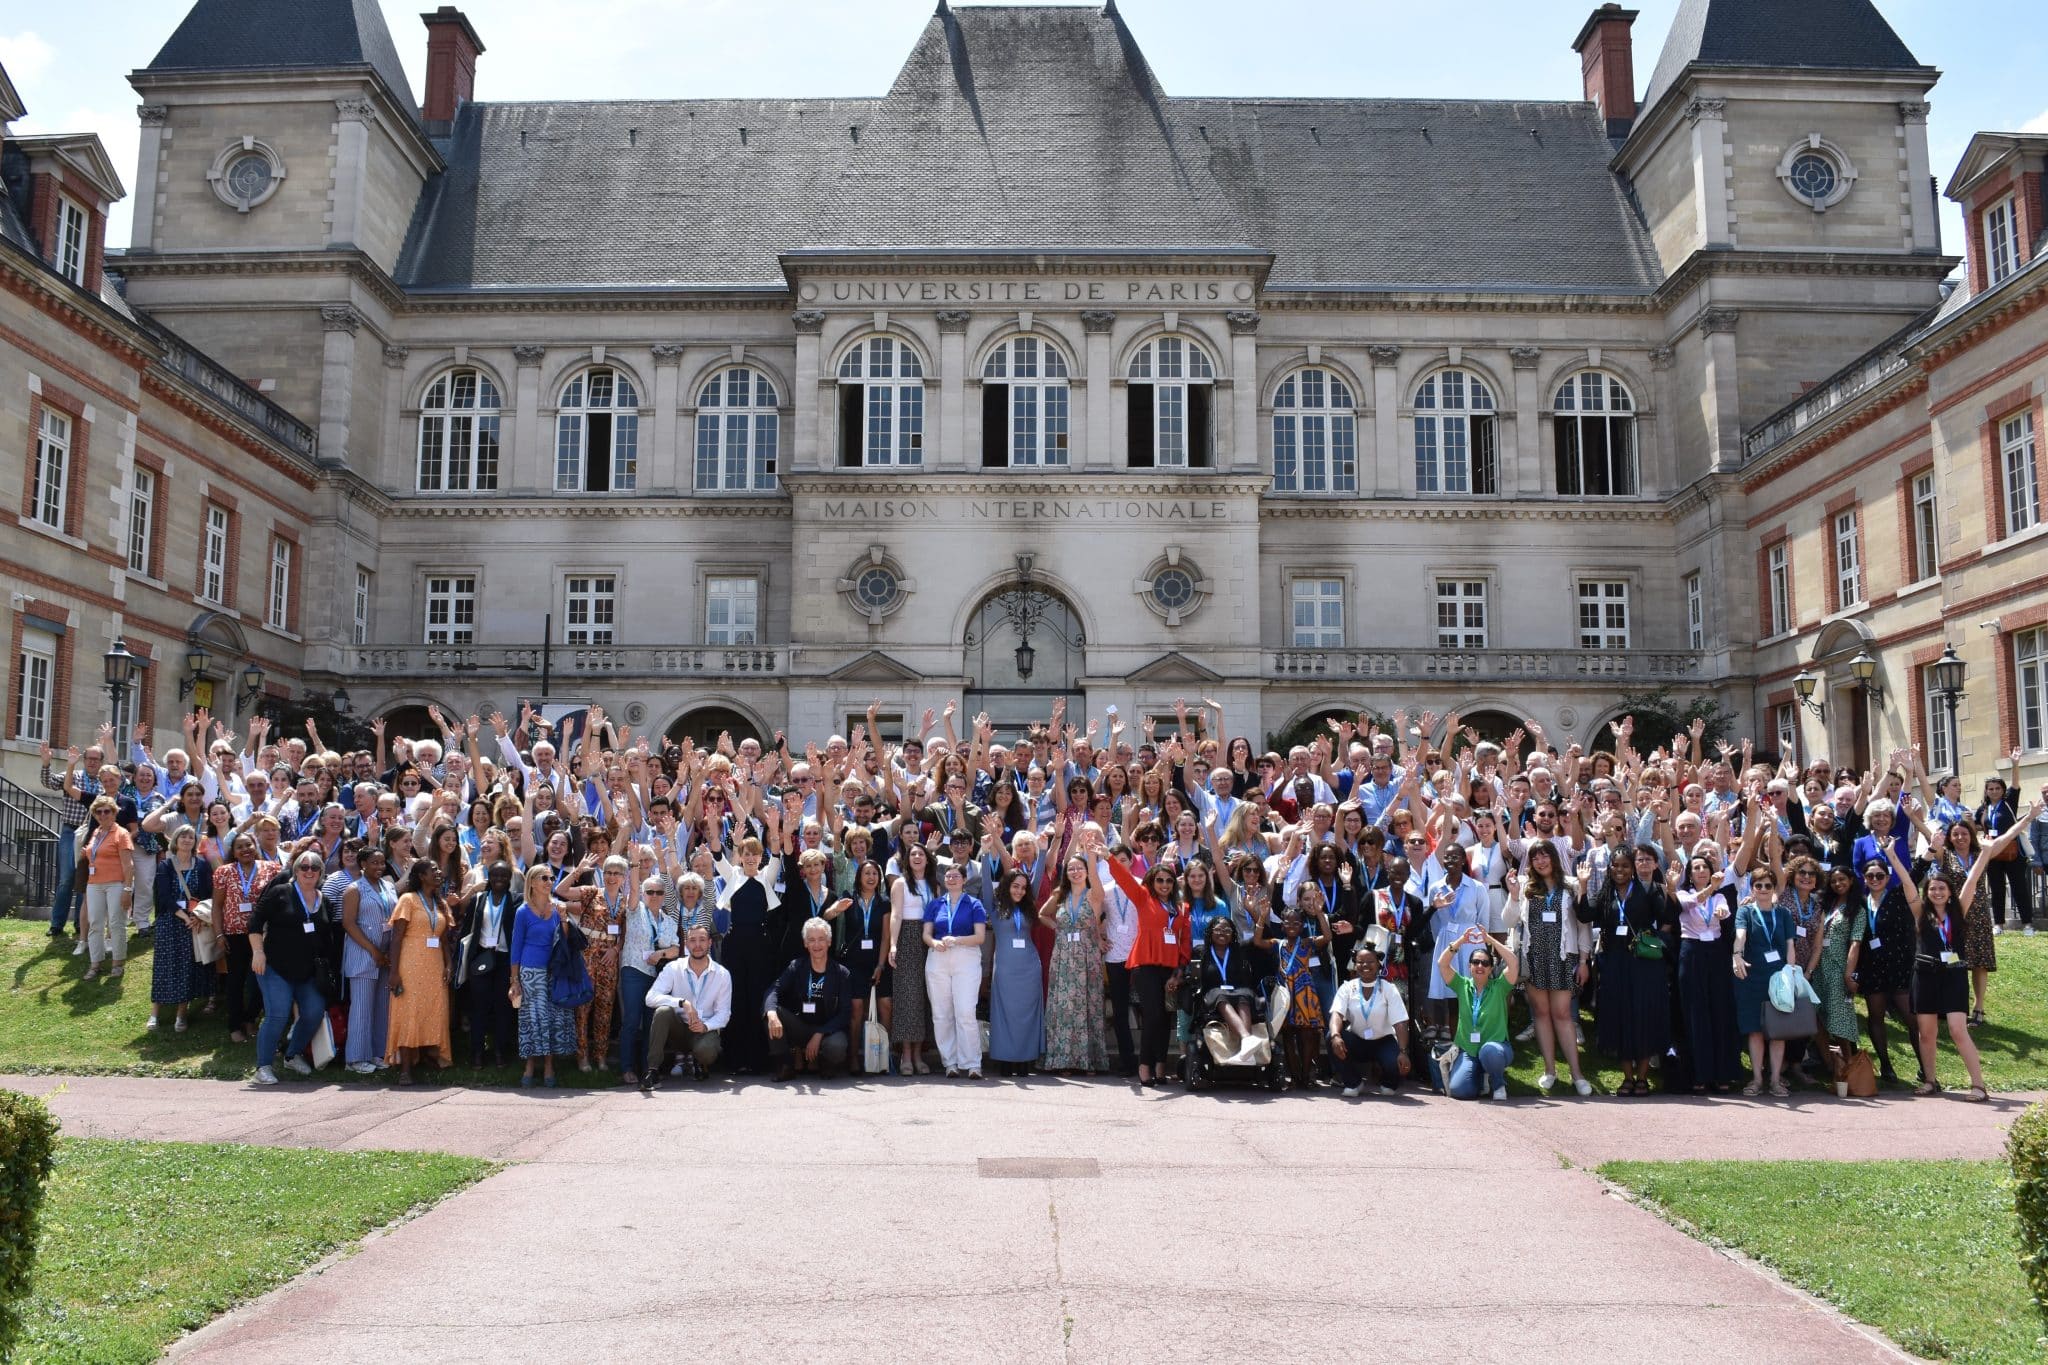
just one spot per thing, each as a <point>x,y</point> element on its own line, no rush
<point>213,557</point>
<point>1926,529</point>
<point>1939,756</point>
<point>53,469</point>
<point>278,612</point>
<point>1786,720</point>
<point>1778,569</point>
<point>141,518</point>
<point>1461,613</point>
<point>597,434</point>
<point>2001,241</point>
<point>2022,485</point>
<point>451,609</point>
<point>1596,436</point>
<point>359,629</point>
<point>2030,676</point>
<point>1318,613</point>
<point>1171,395</point>
<point>459,434</point>
<point>1315,434</point>
<point>1695,613</point>
<point>33,674</point>
<point>592,609</point>
<point>1848,561</point>
<point>1603,614</point>
<point>1024,405</point>
<point>1454,441</point>
<point>737,432</point>
<point>732,611</point>
<point>881,404</point>
<point>73,231</point>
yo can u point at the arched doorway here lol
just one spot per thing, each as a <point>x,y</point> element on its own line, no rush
<point>1491,726</point>
<point>411,722</point>
<point>703,726</point>
<point>1024,648</point>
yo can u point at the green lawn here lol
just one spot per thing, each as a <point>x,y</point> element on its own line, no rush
<point>144,1241</point>
<point>1924,1251</point>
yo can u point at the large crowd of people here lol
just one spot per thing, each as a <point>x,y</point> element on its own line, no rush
<point>1377,908</point>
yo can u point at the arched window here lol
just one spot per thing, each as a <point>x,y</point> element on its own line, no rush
<point>597,435</point>
<point>1024,401</point>
<point>1596,436</point>
<point>737,431</point>
<point>459,434</point>
<point>1171,392</point>
<point>881,404</point>
<point>1315,434</point>
<point>1454,440</point>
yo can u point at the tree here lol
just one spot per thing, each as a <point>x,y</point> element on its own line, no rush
<point>1317,722</point>
<point>288,717</point>
<point>1660,716</point>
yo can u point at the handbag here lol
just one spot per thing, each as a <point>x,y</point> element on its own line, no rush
<point>1801,1021</point>
<point>1648,945</point>
<point>1861,1075</point>
<point>874,1043</point>
<point>321,1049</point>
<point>1442,1058</point>
<point>569,984</point>
<point>205,941</point>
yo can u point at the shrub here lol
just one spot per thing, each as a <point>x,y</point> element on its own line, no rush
<point>27,1136</point>
<point>2026,1147</point>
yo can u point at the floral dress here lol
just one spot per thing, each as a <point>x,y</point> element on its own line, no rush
<point>1074,1020</point>
<point>1837,1004</point>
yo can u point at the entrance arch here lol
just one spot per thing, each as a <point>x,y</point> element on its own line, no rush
<point>1024,651</point>
<point>703,725</point>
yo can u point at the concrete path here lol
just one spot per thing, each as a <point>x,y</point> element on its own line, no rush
<point>1033,1221</point>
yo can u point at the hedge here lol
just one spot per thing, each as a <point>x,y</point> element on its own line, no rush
<point>2026,1147</point>
<point>27,1137</point>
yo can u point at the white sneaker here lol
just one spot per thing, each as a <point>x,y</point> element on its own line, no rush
<point>297,1066</point>
<point>2028,932</point>
<point>1527,1034</point>
<point>362,1068</point>
<point>150,1026</point>
<point>1351,1092</point>
<point>265,1076</point>
<point>1583,1086</point>
<point>1388,1090</point>
<point>78,950</point>
<point>1500,1092</point>
<point>1999,928</point>
<point>380,1065</point>
<point>1546,1083</point>
<point>676,1070</point>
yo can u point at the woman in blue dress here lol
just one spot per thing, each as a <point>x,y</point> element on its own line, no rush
<point>1016,993</point>
<point>1764,941</point>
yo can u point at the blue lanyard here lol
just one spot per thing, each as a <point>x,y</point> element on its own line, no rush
<point>1478,998</point>
<point>1222,965</point>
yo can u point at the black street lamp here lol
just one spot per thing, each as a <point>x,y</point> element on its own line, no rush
<point>1803,687</point>
<point>1947,674</point>
<point>121,669</point>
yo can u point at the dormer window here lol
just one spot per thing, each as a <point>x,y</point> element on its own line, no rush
<point>74,237</point>
<point>2001,241</point>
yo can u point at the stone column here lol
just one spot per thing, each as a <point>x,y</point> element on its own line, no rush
<point>1718,393</point>
<point>1666,453</point>
<point>1709,120</point>
<point>154,135</point>
<point>1521,467</point>
<point>337,379</point>
<point>1098,422</point>
<point>952,453</point>
<point>1244,391</point>
<point>352,120</point>
<point>529,472</point>
<point>809,394</point>
<point>667,468</point>
<point>1926,232</point>
<point>1390,474</point>
<point>398,467</point>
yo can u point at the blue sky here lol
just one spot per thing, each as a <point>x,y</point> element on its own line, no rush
<point>70,61</point>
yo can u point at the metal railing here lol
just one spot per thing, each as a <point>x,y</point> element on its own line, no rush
<point>224,388</point>
<point>1837,391</point>
<point>572,661</point>
<point>1555,665</point>
<point>29,829</point>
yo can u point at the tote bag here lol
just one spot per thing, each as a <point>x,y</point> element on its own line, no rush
<point>874,1043</point>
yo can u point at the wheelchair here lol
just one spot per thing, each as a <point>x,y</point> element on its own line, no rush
<point>1213,1048</point>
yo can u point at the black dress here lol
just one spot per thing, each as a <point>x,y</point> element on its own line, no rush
<point>1635,991</point>
<point>1885,964</point>
<point>750,957</point>
<point>1940,986</point>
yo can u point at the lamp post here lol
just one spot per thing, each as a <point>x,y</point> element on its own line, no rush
<point>1803,687</point>
<point>121,668</point>
<point>1863,668</point>
<point>252,683</point>
<point>1947,674</point>
<point>196,661</point>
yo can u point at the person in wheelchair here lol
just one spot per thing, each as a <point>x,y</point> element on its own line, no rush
<point>1223,990</point>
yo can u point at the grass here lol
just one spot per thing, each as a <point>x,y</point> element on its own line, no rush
<point>1924,1251</point>
<point>145,1241</point>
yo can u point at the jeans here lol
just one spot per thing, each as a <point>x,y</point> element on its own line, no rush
<point>369,1017</point>
<point>1468,1073</point>
<point>279,995</point>
<point>1364,1054</point>
<point>1120,1016</point>
<point>952,980</point>
<point>633,987</point>
<point>61,907</point>
<point>106,927</point>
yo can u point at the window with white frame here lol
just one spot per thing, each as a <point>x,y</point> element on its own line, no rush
<point>1848,561</point>
<point>732,611</point>
<point>53,469</point>
<point>1171,397</point>
<point>451,609</point>
<point>591,609</point>
<point>2022,485</point>
<point>2030,679</point>
<point>1596,436</point>
<point>1461,613</point>
<point>1695,613</point>
<point>1315,434</point>
<point>1454,435</point>
<point>74,231</point>
<point>1939,756</point>
<point>1778,572</point>
<point>34,674</point>
<point>2001,240</point>
<point>597,433</point>
<point>738,432</point>
<point>213,557</point>
<point>1318,613</point>
<point>1603,613</point>
<point>1025,401</point>
<point>359,628</point>
<point>459,425</point>
<point>881,404</point>
<point>141,518</point>
<point>1785,717</point>
<point>1926,529</point>
<point>277,613</point>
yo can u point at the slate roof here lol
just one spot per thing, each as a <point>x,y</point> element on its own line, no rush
<point>1831,34</point>
<point>237,35</point>
<point>1029,128</point>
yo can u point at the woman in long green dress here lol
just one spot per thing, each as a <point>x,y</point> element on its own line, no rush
<point>1842,926</point>
<point>1075,1036</point>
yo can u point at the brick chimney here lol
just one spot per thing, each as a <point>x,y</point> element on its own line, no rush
<point>1607,56</point>
<point>452,50</point>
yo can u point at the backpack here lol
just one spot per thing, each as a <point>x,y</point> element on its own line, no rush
<point>569,983</point>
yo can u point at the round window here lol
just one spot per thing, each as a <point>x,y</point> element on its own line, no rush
<point>1173,589</point>
<point>249,176</point>
<point>876,588</point>
<point>1813,177</point>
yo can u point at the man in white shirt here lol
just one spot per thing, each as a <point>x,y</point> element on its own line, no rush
<point>1369,1026</point>
<point>692,998</point>
<point>543,769</point>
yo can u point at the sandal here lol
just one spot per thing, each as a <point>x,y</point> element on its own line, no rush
<point>1779,1090</point>
<point>1752,1090</point>
<point>1927,1088</point>
<point>1977,1094</point>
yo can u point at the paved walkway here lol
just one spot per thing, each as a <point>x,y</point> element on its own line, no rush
<point>1038,1221</point>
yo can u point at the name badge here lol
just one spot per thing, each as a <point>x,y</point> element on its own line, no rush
<point>307,926</point>
<point>1169,938</point>
<point>1074,937</point>
<point>1801,933</point>
<point>810,1007</point>
<point>1770,957</point>
<point>1475,1035</point>
<point>612,930</point>
<point>866,944</point>
<point>1315,962</point>
<point>1550,916</point>
<point>1877,943</point>
<point>1621,931</point>
<point>490,939</point>
<point>1017,943</point>
<point>433,940</point>
<point>1950,959</point>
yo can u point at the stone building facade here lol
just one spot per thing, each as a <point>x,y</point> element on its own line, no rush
<point>1027,379</point>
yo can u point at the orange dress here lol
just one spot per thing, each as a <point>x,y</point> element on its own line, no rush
<point>419,1018</point>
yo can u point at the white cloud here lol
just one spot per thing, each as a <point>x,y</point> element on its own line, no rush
<point>25,55</point>
<point>2037,124</point>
